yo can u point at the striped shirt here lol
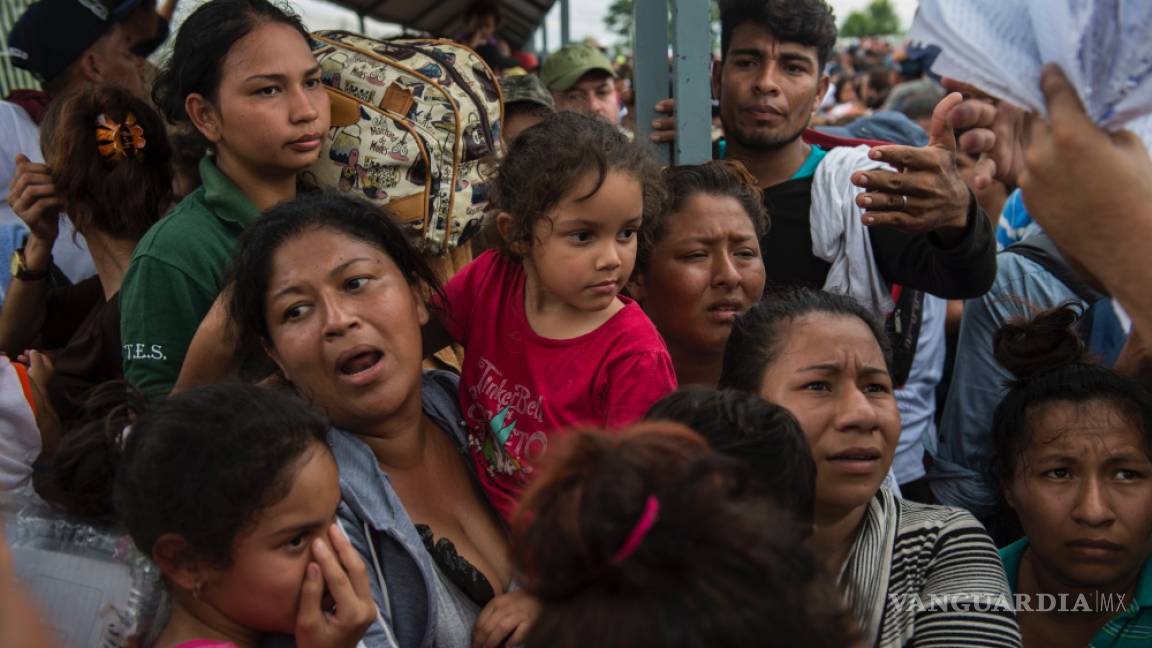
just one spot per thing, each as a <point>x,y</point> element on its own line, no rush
<point>1130,628</point>
<point>929,576</point>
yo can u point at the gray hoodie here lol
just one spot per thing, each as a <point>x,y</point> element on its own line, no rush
<point>401,570</point>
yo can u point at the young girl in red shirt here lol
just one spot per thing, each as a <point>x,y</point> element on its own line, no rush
<point>549,341</point>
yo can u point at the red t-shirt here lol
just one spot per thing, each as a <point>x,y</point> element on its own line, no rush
<point>518,389</point>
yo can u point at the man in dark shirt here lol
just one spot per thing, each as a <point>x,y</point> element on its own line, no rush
<point>924,227</point>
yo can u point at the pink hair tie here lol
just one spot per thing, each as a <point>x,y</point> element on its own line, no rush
<point>639,532</point>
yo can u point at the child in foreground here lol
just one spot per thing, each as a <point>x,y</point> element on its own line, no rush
<point>645,538</point>
<point>232,491</point>
<point>550,342</point>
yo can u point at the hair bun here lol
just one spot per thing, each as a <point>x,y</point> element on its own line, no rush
<point>1049,340</point>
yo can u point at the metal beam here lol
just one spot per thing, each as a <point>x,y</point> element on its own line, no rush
<point>565,23</point>
<point>650,71</point>
<point>544,34</point>
<point>691,87</point>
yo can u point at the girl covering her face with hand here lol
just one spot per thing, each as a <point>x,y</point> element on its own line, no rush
<point>550,342</point>
<point>232,491</point>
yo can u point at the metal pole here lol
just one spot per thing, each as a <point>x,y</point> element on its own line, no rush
<point>544,34</point>
<point>565,23</point>
<point>692,88</point>
<point>650,65</point>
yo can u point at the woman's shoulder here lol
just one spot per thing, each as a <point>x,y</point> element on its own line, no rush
<point>440,397</point>
<point>920,515</point>
<point>171,232</point>
<point>945,527</point>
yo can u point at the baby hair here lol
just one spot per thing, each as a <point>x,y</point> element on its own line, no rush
<point>202,464</point>
<point>726,178</point>
<point>645,538</point>
<point>110,160</point>
<point>202,46</point>
<point>762,435</point>
<point>547,160</point>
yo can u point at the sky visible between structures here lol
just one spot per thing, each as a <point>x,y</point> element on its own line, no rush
<point>587,17</point>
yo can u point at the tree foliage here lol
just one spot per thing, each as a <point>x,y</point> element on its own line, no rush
<point>878,19</point>
<point>618,20</point>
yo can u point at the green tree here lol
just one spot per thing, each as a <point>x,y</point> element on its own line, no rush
<point>618,20</point>
<point>878,19</point>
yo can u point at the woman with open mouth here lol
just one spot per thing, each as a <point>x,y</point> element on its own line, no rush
<point>1073,453</point>
<point>914,574</point>
<point>331,290</point>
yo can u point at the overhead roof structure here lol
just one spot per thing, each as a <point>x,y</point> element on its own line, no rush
<point>446,17</point>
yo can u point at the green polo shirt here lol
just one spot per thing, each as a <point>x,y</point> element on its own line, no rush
<point>1128,629</point>
<point>177,271</point>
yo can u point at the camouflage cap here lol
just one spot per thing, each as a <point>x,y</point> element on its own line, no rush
<point>527,88</point>
<point>564,67</point>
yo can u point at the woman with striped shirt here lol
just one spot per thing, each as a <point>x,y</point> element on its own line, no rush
<point>914,574</point>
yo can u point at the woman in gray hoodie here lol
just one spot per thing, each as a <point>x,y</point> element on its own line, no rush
<point>332,291</point>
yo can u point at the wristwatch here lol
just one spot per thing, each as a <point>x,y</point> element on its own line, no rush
<point>21,271</point>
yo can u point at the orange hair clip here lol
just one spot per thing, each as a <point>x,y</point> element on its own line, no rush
<point>116,141</point>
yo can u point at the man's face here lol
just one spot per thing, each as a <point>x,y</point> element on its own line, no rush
<point>116,63</point>
<point>768,89</point>
<point>594,94</point>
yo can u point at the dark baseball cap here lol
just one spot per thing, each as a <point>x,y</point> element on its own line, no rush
<point>52,34</point>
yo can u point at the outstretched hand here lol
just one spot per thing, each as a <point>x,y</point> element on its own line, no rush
<point>926,192</point>
<point>992,131</point>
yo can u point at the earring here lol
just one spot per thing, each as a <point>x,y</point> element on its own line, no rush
<point>196,590</point>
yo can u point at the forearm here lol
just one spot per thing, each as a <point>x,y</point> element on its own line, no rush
<point>212,357</point>
<point>960,264</point>
<point>1117,255</point>
<point>24,303</point>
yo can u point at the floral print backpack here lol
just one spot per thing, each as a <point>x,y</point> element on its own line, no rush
<point>415,127</point>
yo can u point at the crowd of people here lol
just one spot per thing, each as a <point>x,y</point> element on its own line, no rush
<point>873,376</point>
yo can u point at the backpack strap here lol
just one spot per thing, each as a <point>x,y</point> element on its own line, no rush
<point>1040,249</point>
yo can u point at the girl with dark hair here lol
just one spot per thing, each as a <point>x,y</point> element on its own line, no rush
<point>763,436</point>
<point>644,538</point>
<point>1073,454</point>
<point>330,288</point>
<point>826,359</point>
<point>698,263</point>
<point>243,75</point>
<point>549,341</point>
<point>231,490</point>
<point>108,157</point>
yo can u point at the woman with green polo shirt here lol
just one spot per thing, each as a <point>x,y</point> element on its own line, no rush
<point>242,74</point>
<point>1073,452</point>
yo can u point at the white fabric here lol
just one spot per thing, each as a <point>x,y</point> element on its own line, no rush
<point>19,134</point>
<point>839,236</point>
<point>19,435</point>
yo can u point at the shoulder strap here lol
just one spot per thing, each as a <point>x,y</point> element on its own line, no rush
<point>1039,249</point>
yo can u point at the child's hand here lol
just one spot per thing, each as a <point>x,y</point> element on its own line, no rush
<point>339,567</point>
<point>505,621</point>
